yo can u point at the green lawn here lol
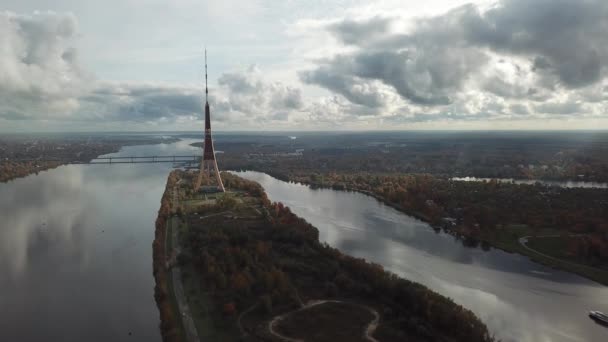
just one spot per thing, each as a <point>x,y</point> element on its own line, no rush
<point>557,247</point>
<point>508,239</point>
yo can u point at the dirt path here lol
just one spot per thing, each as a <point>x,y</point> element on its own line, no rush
<point>369,330</point>
<point>176,278</point>
<point>238,321</point>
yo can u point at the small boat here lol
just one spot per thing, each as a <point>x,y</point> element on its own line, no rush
<point>599,316</point>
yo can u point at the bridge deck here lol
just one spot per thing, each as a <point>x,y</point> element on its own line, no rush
<point>121,160</point>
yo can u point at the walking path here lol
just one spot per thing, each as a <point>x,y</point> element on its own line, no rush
<point>240,318</point>
<point>176,277</point>
<point>369,330</point>
<point>524,242</point>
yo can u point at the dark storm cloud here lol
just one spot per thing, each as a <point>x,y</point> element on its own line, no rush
<point>564,41</point>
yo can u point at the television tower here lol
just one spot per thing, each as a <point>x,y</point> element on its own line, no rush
<point>208,163</point>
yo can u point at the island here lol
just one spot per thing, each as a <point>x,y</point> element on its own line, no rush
<point>249,269</point>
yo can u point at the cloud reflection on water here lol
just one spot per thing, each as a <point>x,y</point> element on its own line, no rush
<point>42,213</point>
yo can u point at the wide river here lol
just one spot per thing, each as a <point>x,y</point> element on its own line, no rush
<point>76,257</point>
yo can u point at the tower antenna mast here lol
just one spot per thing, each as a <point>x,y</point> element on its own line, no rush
<point>208,163</point>
<point>206,89</point>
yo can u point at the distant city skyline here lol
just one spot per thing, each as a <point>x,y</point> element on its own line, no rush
<point>316,65</point>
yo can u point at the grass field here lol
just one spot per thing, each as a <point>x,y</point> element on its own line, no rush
<point>327,322</point>
<point>508,240</point>
<point>557,247</point>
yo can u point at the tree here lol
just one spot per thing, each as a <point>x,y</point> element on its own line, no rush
<point>267,303</point>
<point>226,201</point>
<point>229,309</point>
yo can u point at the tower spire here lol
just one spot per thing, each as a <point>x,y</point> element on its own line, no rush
<point>208,162</point>
<point>206,89</point>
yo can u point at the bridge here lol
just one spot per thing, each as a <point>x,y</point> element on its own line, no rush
<point>122,160</point>
<point>144,159</point>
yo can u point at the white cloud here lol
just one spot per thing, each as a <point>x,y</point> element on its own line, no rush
<point>382,64</point>
<point>39,73</point>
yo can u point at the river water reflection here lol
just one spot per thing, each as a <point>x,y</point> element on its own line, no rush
<point>519,300</point>
<point>76,251</point>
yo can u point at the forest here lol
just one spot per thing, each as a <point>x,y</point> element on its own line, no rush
<point>577,156</point>
<point>255,268</point>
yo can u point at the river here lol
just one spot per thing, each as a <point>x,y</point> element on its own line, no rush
<point>76,257</point>
<point>561,184</point>
<point>76,251</point>
<point>518,299</point>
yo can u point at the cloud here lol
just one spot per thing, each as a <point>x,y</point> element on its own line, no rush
<point>39,70</point>
<point>560,108</point>
<point>242,96</point>
<point>355,32</point>
<point>41,79</point>
<point>338,76</point>
<point>564,38</point>
<point>141,102</point>
<point>514,51</point>
<point>246,92</point>
<point>352,67</point>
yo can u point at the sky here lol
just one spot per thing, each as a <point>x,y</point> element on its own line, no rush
<point>118,65</point>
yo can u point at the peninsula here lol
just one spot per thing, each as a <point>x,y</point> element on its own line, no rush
<point>252,270</point>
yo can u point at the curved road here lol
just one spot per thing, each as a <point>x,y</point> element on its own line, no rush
<point>369,330</point>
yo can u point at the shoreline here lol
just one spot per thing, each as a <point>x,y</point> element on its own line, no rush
<point>163,289</point>
<point>585,271</point>
<point>27,168</point>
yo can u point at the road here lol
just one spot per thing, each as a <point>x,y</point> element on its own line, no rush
<point>176,276</point>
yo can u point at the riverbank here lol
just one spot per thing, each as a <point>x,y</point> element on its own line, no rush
<point>508,241</point>
<point>261,260</point>
<point>14,170</point>
<point>23,160</point>
<point>426,207</point>
<point>170,323</point>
